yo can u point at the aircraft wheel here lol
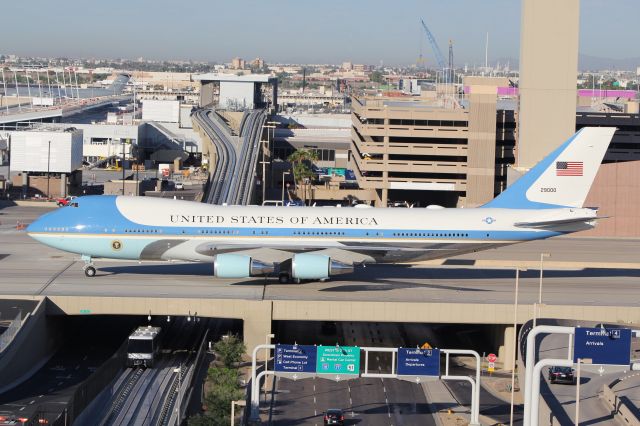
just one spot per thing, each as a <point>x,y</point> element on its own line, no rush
<point>90,271</point>
<point>284,278</point>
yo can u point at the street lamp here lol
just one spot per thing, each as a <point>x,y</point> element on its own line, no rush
<point>283,175</point>
<point>265,149</point>
<point>514,341</point>
<point>239,403</point>
<point>536,307</point>
<point>267,340</point>
<point>580,362</point>
<point>179,372</point>
<point>122,141</point>
<point>264,163</point>
<point>48,169</point>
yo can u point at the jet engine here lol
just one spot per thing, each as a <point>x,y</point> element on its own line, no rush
<point>309,266</point>
<point>230,265</point>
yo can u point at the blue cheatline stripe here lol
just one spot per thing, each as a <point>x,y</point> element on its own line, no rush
<point>296,233</point>
<point>515,196</point>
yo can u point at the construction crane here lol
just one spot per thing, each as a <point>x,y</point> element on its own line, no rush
<point>434,45</point>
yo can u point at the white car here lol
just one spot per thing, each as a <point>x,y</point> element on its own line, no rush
<point>179,185</point>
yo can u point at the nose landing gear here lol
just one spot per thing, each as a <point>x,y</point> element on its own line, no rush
<point>89,269</point>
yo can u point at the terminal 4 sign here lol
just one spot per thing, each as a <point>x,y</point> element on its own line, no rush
<point>418,362</point>
<point>603,346</point>
<point>339,360</point>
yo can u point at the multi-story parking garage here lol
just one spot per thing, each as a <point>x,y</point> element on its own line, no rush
<point>416,150</point>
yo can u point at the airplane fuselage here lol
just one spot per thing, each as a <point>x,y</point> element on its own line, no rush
<point>143,228</point>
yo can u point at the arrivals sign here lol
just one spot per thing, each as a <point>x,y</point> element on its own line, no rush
<point>339,360</point>
<point>295,359</point>
<point>603,346</point>
<point>418,362</point>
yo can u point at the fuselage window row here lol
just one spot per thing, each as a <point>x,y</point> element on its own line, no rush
<point>422,234</point>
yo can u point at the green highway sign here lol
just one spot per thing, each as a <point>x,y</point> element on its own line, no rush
<point>338,360</point>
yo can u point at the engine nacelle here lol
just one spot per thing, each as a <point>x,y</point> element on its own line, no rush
<point>309,266</point>
<point>230,265</point>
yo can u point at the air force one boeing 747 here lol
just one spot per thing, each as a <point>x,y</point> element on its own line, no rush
<point>313,243</point>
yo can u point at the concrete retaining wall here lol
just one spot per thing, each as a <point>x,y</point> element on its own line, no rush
<point>625,414</point>
<point>31,348</point>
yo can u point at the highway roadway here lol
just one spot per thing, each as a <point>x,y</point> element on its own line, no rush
<point>369,401</point>
<point>561,398</point>
<point>29,268</point>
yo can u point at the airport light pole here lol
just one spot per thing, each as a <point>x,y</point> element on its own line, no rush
<point>48,169</point>
<point>264,169</point>
<point>580,361</point>
<point>239,403</point>
<point>267,341</point>
<point>283,175</point>
<point>266,147</point>
<point>514,341</point>
<point>122,141</point>
<point>536,310</point>
<point>179,372</point>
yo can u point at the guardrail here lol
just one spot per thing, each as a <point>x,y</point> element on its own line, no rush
<point>621,407</point>
<point>186,383</point>
<point>12,330</point>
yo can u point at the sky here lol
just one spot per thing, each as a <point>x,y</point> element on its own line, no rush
<point>296,31</point>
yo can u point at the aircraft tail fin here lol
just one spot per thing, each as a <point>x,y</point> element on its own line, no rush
<point>563,178</point>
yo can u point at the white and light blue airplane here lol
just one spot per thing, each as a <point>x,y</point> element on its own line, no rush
<point>314,243</point>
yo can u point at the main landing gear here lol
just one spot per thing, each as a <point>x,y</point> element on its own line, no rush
<point>285,278</point>
<point>89,269</point>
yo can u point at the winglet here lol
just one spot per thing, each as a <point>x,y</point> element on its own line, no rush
<point>563,178</point>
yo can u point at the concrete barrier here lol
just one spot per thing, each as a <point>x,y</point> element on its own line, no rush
<point>620,407</point>
<point>32,346</point>
<point>28,203</point>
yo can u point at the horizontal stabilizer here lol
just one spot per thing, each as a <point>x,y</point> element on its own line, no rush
<point>557,222</point>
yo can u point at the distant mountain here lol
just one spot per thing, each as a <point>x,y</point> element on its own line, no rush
<point>595,63</point>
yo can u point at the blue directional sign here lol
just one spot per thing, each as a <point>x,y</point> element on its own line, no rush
<point>603,346</point>
<point>418,362</point>
<point>295,359</point>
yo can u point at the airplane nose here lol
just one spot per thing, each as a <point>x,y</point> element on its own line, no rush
<point>44,221</point>
<point>35,226</point>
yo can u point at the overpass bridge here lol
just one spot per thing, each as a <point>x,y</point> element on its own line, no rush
<point>586,279</point>
<point>233,158</point>
<point>15,115</point>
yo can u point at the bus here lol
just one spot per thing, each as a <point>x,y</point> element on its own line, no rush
<point>143,347</point>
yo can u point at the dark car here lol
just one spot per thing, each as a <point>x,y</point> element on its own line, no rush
<point>561,375</point>
<point>334,416</point>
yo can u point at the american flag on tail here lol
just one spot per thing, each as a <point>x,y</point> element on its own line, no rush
<point>569,168</point>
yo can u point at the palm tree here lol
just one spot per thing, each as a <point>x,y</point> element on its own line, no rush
<point>300,160</point>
